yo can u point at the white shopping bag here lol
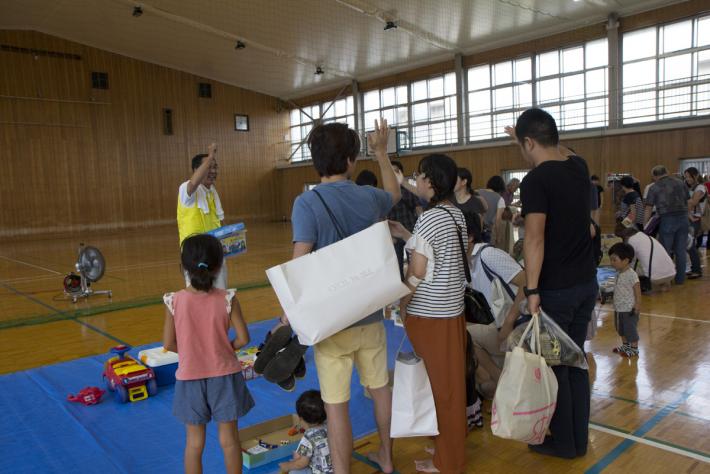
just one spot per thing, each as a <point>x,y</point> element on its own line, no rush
<point>413,410</point>
<point>526,395</point>
<point>334,287</point>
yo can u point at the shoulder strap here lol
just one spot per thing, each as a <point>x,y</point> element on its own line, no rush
<point>490,274</point>
<point>650,259</point>
<point>338,229</point>
<point>466,270</point>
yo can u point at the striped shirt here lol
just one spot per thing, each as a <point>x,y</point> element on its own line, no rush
<point>440,294</point>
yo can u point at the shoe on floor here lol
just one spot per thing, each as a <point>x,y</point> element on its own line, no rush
<point>693,275</point>
<point>284,363</point>
<point>289,384</point>
<point>273,343</point>
<point>547,448</point>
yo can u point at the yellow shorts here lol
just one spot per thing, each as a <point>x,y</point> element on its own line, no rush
<point>364,345</point>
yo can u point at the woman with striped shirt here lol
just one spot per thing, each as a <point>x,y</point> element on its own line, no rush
<point>631,205</point>
<point>433,312</point>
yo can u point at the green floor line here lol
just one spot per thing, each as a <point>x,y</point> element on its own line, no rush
<point>103,309</point>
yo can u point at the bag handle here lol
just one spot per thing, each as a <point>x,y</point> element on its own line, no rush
<point>338,229</point>
<point>490,274</point>
<point>466,270</point>
<point>535,345</point>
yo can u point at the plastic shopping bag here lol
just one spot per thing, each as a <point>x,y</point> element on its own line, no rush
<point>557,347</point>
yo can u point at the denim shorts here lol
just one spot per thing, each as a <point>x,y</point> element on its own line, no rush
<point>221,399</point>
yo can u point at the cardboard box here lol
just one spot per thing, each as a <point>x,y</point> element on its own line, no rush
<point>233,238</point>
<point>272,432</point>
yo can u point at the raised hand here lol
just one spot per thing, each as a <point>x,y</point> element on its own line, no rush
<point>378,138</point>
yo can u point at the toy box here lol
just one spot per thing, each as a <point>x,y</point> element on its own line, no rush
<point>164,364</point>
<point>269,441</point>
<point>233,238</point>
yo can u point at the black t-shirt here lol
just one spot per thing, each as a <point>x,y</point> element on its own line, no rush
<point>561,191</point>
<point>472,210</point>
<point>600,192</point>
<point>630,198</point>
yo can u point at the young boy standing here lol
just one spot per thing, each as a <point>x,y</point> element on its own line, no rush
<point>627,299</point>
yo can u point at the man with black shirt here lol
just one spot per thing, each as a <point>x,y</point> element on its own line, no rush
<point>559,264</point>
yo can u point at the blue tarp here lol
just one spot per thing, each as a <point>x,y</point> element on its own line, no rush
<point>41,432</point>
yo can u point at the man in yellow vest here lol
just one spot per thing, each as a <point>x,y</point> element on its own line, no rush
<point>199,209</point>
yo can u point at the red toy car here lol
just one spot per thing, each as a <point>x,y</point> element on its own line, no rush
<point>128,378</point>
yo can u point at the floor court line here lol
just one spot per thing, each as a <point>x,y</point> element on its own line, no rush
<point>614,454</point>
<point>655,315</point>
<point>59,312</point>
<point>630,437</point>
<point>30,265</point>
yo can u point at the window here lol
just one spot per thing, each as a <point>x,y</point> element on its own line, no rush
<point>204,90</point>
<point>666,71</point>
<point>570,83</point>
<point>302,121</point>
<point>424,112</point>
<point>434,111</point>
<point>496,94</point>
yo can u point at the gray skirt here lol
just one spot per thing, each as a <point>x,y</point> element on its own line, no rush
<point>221,399</point>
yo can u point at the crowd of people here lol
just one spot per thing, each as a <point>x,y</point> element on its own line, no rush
<point>440,227</point>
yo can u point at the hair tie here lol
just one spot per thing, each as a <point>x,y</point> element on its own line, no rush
<point>202,265</point>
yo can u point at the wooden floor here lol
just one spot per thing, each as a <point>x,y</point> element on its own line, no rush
<point>660,402</point>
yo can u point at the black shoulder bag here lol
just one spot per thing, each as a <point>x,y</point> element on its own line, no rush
<point>477,310</point>
<point>645,281</point>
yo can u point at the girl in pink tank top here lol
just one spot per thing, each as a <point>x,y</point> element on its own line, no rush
<point>209,383</point>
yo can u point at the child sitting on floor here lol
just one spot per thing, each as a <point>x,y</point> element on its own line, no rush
<point>313,454</point>
<point>627,299</point>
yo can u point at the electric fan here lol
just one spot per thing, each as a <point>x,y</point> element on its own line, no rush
<point>90,265</point>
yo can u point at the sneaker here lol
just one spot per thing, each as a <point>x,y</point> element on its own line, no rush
<point>288,384</point>
<point>300,371</point>
<point>285,362</point>
<point>273,343</point>
<point>693,275</point>
<point>621,349</point>
<point>632,351</point>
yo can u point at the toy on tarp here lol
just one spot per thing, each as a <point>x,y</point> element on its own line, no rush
<point>233,238</point>
<point>163,362</point>
<point>87,396</point>
<point>247,357</point>
<point>270,441</point>
<point>128,378</point>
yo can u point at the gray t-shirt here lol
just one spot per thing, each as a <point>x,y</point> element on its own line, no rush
<point>624,298</point>
<point>493,199</point>
<point>670,196</point>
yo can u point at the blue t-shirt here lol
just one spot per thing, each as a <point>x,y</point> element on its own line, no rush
<point>354,207</point>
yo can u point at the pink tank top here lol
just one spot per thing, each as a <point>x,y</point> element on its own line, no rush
<point>202,326</point>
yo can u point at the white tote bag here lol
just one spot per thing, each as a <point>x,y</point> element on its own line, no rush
<point>334,287</point>
<point>501,296</point>
<point>526,395</point>
<point>413,410</point>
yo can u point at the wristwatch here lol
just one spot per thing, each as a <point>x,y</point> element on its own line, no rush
<point>528,292</point>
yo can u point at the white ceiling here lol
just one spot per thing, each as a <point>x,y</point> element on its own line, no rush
<point>286,39</point>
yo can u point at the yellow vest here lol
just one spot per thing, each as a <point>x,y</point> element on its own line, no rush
<point>191,220</point>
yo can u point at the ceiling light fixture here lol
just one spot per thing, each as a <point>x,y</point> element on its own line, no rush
<point>390,25</point>
<point>319,71</point>
<point>137,11</point>
<point>240,45</point>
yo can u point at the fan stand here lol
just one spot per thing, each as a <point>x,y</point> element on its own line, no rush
<point>86,291</point>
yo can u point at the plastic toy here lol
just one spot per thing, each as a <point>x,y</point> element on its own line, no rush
<point>127,377</point>
<point>87,396</point>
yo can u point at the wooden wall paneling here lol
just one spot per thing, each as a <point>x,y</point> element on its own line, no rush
<point>116,168</point>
